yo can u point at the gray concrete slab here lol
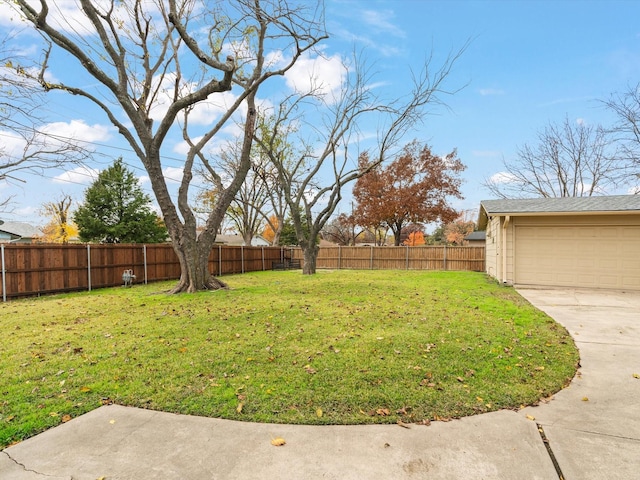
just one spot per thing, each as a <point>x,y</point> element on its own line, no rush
<point>126,443</point>
<point>593,426</point>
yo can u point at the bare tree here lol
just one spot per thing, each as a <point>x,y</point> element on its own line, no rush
<point>626,130</point>
<point>324,164</point>
<point>278,208</point>
<point>27,145</point>
<point>163,61</point>
<point>569,160</point>
<point>342,230</point>
<point>60,227</point>
<point>246,212</point>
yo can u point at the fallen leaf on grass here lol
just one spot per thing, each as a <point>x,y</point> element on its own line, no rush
<point>309,369</point>
<point>239,407</point>
<point>278,442</point>
<point>66,418</point>
<point>319,412</point>
<point>402,424</point>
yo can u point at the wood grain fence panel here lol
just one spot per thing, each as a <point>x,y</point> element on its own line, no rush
<point>390,258</point>
<point>400,258</point>
<point>41,269</point>
<point>466,258</point>
<point>162,263</point>
<point>356,258</point>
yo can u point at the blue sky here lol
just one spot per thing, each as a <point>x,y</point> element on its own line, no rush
<point>528,63</point>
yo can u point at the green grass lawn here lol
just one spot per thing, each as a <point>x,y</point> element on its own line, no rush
<point>339,347</point>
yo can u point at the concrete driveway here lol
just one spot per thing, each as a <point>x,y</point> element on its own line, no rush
<point>593,427</point>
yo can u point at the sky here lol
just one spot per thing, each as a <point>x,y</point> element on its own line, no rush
<point>526,64</point>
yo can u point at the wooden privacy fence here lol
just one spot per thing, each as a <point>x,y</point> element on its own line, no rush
<point>439,257</point>
<point>37,269</point>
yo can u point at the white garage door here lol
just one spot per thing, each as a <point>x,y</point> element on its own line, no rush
<point>580,256</point>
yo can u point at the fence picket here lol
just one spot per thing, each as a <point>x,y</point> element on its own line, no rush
<point>37,269</point>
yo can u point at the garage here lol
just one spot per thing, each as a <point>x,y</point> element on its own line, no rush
<point>589,242</point>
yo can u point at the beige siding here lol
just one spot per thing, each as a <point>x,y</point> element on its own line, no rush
<point>499,249</point>
<point>509,232</point>
<point>492,252</point>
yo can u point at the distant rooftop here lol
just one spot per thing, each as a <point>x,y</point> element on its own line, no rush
<point>478,235</point>
<point>19,230</point>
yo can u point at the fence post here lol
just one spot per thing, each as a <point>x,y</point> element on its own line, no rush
<point>219,260</point>
<point>445,256</point>
<point>4,281</point>
<point>144,259</point>
<point>371,259</point>
<point>407,257</point>
<point>339,257</point>
<point>263,258</point>
<point>241,258</point>
<point>89,266</point>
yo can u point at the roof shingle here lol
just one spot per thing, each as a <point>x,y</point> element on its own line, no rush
<point>613,203</point>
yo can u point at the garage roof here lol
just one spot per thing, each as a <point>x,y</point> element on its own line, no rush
<point>558,206</point>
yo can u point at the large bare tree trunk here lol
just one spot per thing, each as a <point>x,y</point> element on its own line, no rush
<point>194,265</point>
<point>310,253</point>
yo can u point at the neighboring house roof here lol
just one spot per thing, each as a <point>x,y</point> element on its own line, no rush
<point>558,206</point>
<point>237,240</point>
<point>230,240</point>
<point>476,236</point>
<point>17,230</point>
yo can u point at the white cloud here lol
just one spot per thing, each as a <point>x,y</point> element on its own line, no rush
<point>325,74</point>
<point>172,174</point>
<point>82,175</point>
<point>379,20</point>
<point>52,136</point>
<point>64,14</point>
<point>491,91</point>
<point>207,112</point>
<point>502,177</point>
<point>78,131</point>
<point>182,148</point>
<point>143,180</point>
<point>67,16</point>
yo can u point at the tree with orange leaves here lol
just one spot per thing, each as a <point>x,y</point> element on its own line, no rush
<point>414,188</point>
<point>269,232</point>
<point>415,239</point>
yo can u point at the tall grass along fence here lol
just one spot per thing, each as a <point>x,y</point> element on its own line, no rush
<point>439,257</point>
<point>38,269</point>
